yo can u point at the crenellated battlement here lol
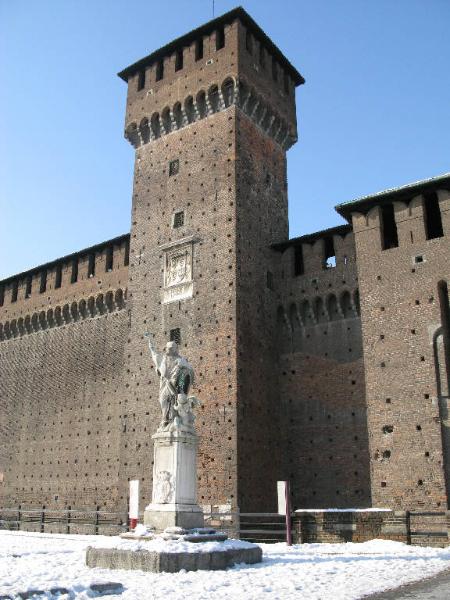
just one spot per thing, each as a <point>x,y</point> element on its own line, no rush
<point>206,71</point>
<point>66,279</point>
<point>409,215</point>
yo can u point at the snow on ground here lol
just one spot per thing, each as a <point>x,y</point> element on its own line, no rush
<point>308,571</point>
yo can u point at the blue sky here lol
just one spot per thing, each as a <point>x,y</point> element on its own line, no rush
<point>374,112</point>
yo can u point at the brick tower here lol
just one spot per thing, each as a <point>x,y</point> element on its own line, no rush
<point>211,116</point>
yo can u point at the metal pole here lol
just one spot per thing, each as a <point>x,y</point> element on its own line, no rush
<point>287,491</point>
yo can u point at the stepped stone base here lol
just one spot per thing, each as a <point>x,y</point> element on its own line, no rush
<point>170,562</point>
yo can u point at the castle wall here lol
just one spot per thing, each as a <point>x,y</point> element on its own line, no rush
<point>62,330</point>
<point>401,315</point>
<point>321,373</point>
<point>98,270</point>
<point>60,394</point>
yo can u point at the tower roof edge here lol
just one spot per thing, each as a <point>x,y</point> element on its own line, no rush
<point>186,39</point>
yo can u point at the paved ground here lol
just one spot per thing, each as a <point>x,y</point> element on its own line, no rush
<point>435,588</point>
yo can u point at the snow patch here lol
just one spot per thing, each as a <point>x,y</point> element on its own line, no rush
<point>313,571</point>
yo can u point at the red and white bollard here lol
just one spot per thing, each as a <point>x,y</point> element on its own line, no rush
<point>133,513</point>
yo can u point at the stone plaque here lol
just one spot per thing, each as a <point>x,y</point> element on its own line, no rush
<point>178,284</point>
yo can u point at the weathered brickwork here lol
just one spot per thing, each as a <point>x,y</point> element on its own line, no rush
<point>404,351</point>
<point>60,391</point>
<point>296,381</point>
<point>321,372</point>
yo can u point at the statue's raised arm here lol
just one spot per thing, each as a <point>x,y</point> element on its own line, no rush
<point>157,357</point>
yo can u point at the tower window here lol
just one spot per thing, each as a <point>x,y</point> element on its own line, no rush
<point>249,42</point>
<point>74,275</point>
<point>141,80</point>
<point>109,258</point>
<point>43,282</point>
<point>445,322</point>
<point>14,291</point>
<point>2,295</point>
<point>286,82</point>
<point>330,254</point>
<point>175,335</point>
<point>174,167</point>
<point>220,38</point>
<point>274,69</point>
<point>269,280</point>
<point>299,266</point>
<point>126,260</point>
<point>199,49</point>
<point>178,219</point>
<point>179,60</point>
<point>159,70</point>
<point>262,56</point>
<point>91,265</point>
<point>58,276</point>
<point>432,217</point>
<point>28,284</point>
<point>388,227</point>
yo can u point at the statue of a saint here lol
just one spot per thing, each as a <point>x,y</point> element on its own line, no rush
<point>176,376</point>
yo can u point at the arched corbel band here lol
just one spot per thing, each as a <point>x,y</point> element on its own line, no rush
<point>112,301</point>
<point>208,102</point>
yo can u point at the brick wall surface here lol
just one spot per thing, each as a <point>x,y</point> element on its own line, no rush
<point>400,314</point>
<point>60,391</point>
<point>321,377</point>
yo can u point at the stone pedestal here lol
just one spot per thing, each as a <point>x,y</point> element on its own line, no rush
<point>174,497</point>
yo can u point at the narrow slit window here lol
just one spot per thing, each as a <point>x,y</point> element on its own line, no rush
<point>174,167</point>
<point>262,56</point>
<point>2,295</point>
<point>432,217</point>
<point>269,280</point>
<point>445,322</point>
<point>175,335</point>
<point>199,49</point>
<point>58,276</point>
<point>43,282</point>
<point>330,254</point>
<point>274,69</point>
<point>388,227</point>
<point>91,265</point>
<point>109,259</point>
<point>141,80</point>
<point>159,70</point>
<point>286,82</point>
<point>126,260</point>
<point>249,42</point>
<point>14,291</point>
<point>299,265</point>
<point>74,274</point>
<point>178,219</point>
<point>179,60</point>
<point>28,285</point>
<point>220,38</point>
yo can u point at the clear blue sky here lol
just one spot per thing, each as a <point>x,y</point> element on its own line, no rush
<point>374,112</point>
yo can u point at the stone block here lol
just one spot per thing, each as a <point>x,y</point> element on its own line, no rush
<point>170,562</point>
